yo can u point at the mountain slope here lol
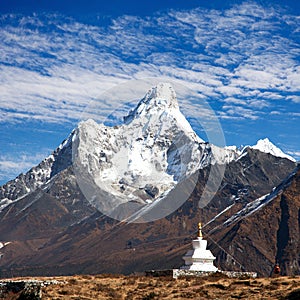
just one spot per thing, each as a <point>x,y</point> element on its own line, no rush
<point>265,232</point>
<point>96,243</point>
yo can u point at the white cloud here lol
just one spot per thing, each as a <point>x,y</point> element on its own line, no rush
<point>295,114</point>
<point>232,100</point>
<point>295,98</point>
<point>238,112</point>
<point>53,66</point>
<point>295,154</point>
<point>229,90</point>
<point>275,112</point>
<point>260,104</point>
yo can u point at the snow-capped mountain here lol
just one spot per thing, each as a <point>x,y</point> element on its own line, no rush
<point>154,147</point>
<point>264,145</point>
<point>132,169</point>
<point>141,160</point>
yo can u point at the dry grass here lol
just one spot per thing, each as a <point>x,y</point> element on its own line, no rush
<point>147,288</point>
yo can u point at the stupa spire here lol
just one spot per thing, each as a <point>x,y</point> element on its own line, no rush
<point>200,230</point>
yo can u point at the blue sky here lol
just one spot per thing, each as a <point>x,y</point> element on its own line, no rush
<point>241,57</point>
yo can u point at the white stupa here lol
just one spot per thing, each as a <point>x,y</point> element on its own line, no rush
<point>200,258</point>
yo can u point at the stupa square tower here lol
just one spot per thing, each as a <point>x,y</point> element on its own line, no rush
<point>200,258</point>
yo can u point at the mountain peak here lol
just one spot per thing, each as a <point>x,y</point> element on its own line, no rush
<point>159,106</point>
<point>162,94</point>
<point>160,98</point>
<point>265,145</point>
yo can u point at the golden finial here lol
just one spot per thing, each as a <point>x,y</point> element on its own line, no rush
<point>200,230</point>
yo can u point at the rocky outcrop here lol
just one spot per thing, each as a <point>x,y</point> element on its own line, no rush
<point>24,289</point>
<point>21,290</point>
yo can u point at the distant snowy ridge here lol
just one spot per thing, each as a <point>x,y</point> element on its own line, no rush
<point>264,145</point>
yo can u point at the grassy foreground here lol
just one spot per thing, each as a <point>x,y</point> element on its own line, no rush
<point>145,288</point>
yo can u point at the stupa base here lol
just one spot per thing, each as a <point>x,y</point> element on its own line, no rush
<point>231,274</point>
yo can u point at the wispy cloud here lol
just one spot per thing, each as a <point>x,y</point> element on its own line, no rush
<point>53,66</point>
<point>295,154</point>
<point>238,112</point>
<point>294,98</point>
